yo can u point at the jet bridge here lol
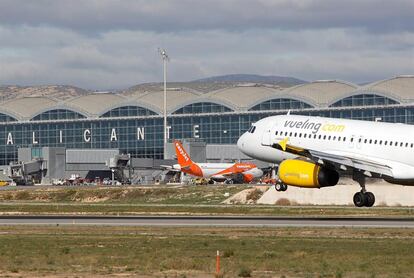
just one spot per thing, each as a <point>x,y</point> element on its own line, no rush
<point>24,173</point>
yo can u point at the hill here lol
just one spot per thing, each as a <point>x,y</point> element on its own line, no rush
<point>270,79</point>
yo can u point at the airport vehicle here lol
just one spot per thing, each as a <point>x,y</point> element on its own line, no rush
<point>227,172</point>
<point>313,152</point>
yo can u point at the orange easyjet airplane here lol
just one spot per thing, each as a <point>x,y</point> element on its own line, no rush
<point>232,172</point>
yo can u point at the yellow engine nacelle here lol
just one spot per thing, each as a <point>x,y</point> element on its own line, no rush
<point>306,174</point>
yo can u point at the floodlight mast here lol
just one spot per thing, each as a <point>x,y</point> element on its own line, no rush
<point>165,59</point>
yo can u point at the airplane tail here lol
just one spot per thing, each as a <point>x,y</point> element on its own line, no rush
<point>182,156</point>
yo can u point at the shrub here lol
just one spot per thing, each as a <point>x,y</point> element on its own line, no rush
<point>245,272</point>
<point>228,253</point>
<point>254,195</point>
<point>22,195</point>
<point>283,202</point>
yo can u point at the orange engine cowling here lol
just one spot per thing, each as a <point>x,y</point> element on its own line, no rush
<point>306,174</point>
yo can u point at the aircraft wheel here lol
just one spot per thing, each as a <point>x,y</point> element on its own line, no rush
<point>369,199</point>
<point>279,187</point>
<point>284,187</point>
<point>359,199</point>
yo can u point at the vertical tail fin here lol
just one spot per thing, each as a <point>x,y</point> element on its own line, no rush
<point>182,156</point>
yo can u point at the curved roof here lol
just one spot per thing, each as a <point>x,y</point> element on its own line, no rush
<point>399,87</point>
<point>321,92</point>
<point>94,104</point>
<point>238,98</point>
<point>26,108</point>
<point>174,99</point>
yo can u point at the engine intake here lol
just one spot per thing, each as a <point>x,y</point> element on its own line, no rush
<point>306,174</point>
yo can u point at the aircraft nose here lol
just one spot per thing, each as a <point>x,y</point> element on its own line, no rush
<point>240,142</point>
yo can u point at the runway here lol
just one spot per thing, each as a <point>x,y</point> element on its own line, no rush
<point>209,221</point>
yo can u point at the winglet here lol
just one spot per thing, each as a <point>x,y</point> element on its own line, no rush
<point>283,143</point>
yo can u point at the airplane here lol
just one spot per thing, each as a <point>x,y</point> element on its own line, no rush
<point>313,152</point>
<point>228,172</point>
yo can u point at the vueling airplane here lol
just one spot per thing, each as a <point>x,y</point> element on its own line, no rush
<point>314,151</point>
<point>230,172</point>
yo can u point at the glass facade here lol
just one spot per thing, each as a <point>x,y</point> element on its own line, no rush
<point>364,100</point>
<point>128,111</point>
<point>142,136</point>
<point>202,107</point>
<point>280,104</point>
<point>58,114</point>
<point>6,118</point>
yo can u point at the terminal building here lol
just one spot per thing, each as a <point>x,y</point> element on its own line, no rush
<point>131,122</point>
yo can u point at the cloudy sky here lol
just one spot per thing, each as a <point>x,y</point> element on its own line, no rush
<point>112,44</point>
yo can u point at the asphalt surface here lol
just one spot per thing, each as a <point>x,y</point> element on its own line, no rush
<point>222,221</point>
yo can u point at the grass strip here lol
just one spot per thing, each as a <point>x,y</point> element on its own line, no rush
<point>190,252</point>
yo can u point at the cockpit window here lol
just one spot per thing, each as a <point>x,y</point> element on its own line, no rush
<point>253,129</point>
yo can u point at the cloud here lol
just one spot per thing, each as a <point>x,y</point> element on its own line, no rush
<point>96,16</point>
<point>113,44</point>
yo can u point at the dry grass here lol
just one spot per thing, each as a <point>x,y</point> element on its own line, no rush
<point>165,252</point>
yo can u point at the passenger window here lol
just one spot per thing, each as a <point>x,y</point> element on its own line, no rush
<point>290,134</point>
<point>334,138</point>
<point>344,139</point>
<point>314,136</point>
<point>406,145</point>
<point>385,143</point>
<point>352,139</point>
<point>375,142</point>
<point>396,144</point>
<point>359,140</point>
<point>329,137</point>
<point>365,141</point>
<point>412,145</point>
<point>401,144</point>
<point>295,134</point>
<point>324,137</point>
<point>320,136</point>
<point>300,135</point>
<point>339,138</point>
<point>380,142</point>
<point>370,141</point>
<point>277,132</point>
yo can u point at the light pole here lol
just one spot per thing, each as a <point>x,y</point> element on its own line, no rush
<point>165,59</point>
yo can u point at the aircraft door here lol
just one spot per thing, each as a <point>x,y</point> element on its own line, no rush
<point>267,135</point>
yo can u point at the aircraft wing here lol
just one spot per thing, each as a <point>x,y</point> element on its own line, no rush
<point>341,161</point>
<point>170,168</point>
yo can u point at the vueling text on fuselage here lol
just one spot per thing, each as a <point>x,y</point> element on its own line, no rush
<point>314,126</point>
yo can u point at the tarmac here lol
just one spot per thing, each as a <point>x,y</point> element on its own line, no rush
<point>211,221</point>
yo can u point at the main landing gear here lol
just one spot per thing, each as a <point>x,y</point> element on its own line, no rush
<point>362,198</point>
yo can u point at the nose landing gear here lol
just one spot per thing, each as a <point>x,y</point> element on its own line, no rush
<point>362,198</point>
<point>280,187</point>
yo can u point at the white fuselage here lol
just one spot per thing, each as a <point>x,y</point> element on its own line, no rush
<point>386,143</point>
<point>211,170</point>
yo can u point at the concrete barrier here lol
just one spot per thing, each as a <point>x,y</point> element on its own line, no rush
<point>342,194</point>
